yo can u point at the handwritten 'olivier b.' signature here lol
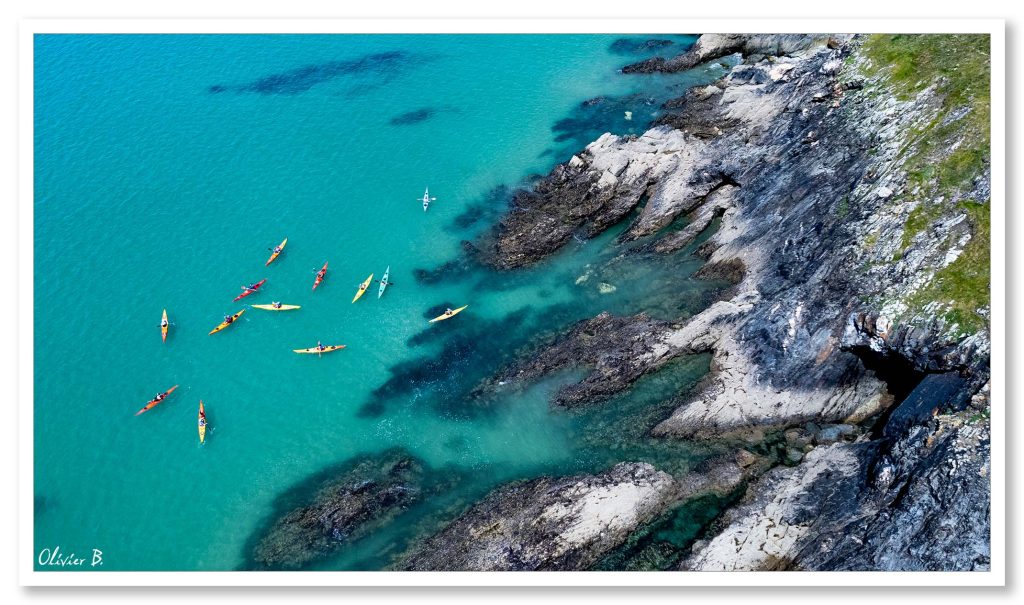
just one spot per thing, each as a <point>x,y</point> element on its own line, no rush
<point>55,558</point>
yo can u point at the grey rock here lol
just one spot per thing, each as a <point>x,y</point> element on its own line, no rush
<point>548,523</point>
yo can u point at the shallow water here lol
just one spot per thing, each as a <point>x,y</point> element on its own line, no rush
<point>165,168</point>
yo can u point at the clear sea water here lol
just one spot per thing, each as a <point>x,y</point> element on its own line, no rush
<point>165,166</point>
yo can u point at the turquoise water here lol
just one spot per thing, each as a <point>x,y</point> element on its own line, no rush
<point>165,166</point>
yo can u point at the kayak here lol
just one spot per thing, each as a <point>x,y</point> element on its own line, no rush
<point>202,422</point>
<point>225,324</point>
<point>362,288</point>
<point>427,199</point>
<point>255,287</point>
<point>280,248</point>
<point>320,276</point>
<point>156,400</point>
<point>163,326</point>
<point>384,282</point>
<point>273,308</point>
<point>326,349</point>
<point>443,317</point>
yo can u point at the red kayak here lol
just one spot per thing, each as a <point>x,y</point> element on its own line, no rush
<point>154,401</point>
<point>320,276</point>
<point>249,291</point>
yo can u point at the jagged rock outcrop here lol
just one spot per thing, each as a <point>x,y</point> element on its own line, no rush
<point>918,503</point>
<point>715,46</point>
<point>567,523</point>
<point>614,348</point>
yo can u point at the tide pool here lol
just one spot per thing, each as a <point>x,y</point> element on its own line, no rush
<point>166,166</point>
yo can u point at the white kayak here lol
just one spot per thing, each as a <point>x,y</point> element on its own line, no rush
<point>427,199</point>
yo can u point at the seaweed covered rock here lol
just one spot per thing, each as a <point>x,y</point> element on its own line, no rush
<point>348,503</point>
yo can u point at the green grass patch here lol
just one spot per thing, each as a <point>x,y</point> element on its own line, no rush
<point>958,66</point>
<point>964,286</point>
<point>942,160</point>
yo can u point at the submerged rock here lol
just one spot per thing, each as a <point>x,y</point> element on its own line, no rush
<point>630,46</point>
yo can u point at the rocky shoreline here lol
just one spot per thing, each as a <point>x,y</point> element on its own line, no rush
<point>804,158</point>
<point>852,222</point>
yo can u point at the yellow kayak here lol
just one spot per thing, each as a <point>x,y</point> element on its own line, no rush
<point>225,324</point>
<point>273,308</point>
<point>163,326</point>
<point>326,349</point>
<point>202,422</point>
<point>362,288</point>
<point>445,316</point>
<point>276,251</point>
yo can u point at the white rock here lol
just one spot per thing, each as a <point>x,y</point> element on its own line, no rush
<point>779,71</point>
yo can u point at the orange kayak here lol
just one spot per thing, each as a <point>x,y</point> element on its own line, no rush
<point>320,276</point>
<point>247,292</point>
<point>277,251</point>
<point>156,400</point>
<point>225,324</point>
<point>163,326</point>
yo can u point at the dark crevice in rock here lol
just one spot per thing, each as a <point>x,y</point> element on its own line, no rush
<point>899,375</point>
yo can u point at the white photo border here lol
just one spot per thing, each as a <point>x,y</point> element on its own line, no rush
<point>30,577</point>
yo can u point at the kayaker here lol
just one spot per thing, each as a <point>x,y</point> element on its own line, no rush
<point>449,312</point>
<point>228,319</point>
<point>319,347</point>
<point>163,323</point>
<point>276,305</point>
<point>250,288</point>
<point>275,249</point>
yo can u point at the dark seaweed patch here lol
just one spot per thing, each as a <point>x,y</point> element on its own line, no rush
<point>471,351</point>
<point>296,81</point>
<point>413,117</point>
<point>486,210</point>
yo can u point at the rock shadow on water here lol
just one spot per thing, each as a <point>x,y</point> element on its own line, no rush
<point>383,66</point>
<point>339,506</point>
